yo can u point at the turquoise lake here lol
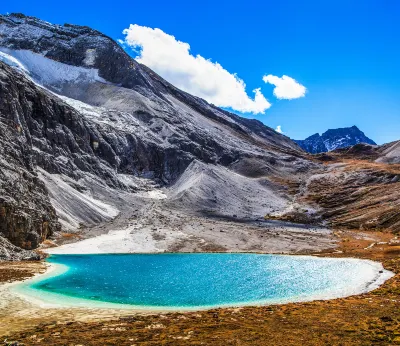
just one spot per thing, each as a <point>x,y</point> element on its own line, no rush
<point>201,280</point>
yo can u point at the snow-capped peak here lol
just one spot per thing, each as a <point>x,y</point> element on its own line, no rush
<point>334,139</point>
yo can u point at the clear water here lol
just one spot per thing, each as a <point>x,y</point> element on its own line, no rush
<point>204,280</point>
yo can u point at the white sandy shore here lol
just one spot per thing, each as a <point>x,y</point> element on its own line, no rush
<point>133,239</point>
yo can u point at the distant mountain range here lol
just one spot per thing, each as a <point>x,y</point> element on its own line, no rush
<point>334,139</point>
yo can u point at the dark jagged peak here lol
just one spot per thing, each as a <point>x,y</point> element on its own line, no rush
<point>313,144</point>
<point>20,18</point>
<point>334,139</point>
<point>73,45</point>
<point>314,136</point>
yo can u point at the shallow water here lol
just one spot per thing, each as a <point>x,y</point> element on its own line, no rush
<point>203,280</point>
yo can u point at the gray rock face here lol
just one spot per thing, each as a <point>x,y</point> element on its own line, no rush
<point>26,215</point>
<point>10,252</point>
<point>389,153</point>
<point>334,139</point>
<point>74,104</point>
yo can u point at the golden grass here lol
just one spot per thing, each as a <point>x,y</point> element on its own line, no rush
<point>368,319</point>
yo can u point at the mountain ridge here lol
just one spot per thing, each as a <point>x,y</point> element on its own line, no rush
<point>333,139</point>
<point>98,126</point>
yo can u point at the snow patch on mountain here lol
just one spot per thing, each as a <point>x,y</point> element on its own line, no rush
<point>90,57</point>
<point>82,107</point>
<point>48,72</point>
<point>13,62</point>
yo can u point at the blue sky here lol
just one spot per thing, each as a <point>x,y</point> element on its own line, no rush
<point>346,53</point>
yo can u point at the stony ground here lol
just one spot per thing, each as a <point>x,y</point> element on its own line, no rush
<point>368,319</point>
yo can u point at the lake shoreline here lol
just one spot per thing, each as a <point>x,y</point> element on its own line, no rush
<point>47,299</point>
<point>355,247</point>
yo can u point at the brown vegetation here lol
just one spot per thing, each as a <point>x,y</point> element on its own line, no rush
<point>368,319</point>
<point>350,191</point>
<point>15,271</point>
<point>358,195</point>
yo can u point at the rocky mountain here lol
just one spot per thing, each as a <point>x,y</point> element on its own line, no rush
<point>334,139</point>
<point>83,126</point>
<point>389,153</point>
<point>360,189</point>
<point>93,142</point>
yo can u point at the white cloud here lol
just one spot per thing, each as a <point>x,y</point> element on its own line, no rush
<point>279,129</point>
<point>285,87</point>
<point>194,74</point>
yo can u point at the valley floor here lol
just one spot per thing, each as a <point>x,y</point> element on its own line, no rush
<point>154,228</point>
<point>368,319</point>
